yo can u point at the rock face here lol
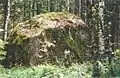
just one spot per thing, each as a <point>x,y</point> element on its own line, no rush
<point>56,38</point>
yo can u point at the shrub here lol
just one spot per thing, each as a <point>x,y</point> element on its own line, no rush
<point>50,71</point>
<point>2,52</point>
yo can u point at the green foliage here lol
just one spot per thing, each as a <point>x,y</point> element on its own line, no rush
<point>2,52</point>
<point>2,72</point>
<point>48,71</point>
<point>117,53</point>
<point>84,70</point>
<point>107,70</point>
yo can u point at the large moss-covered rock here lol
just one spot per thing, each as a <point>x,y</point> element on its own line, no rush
<point>56,38</point>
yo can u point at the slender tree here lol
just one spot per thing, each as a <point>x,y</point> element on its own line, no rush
<point>76,6</point>
<point>52,5</point>
<point>101,27</point>
<point>6,17</point>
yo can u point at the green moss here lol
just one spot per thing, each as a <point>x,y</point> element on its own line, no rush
<point>36,25</point>
<point>15,36</point>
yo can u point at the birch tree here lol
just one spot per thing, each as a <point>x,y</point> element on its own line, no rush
<point>6,18</point>
<point>101,27</point>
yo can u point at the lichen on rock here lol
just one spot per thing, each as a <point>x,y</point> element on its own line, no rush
<point>46,38</point>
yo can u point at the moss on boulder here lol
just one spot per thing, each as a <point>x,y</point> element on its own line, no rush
<point>55,37</point>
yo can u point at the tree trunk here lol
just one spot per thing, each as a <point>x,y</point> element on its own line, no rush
<point>6,18</point>
<point>68,3</point>
<point>101,27</point>
<point>76,7</point>
<point>52,5</point>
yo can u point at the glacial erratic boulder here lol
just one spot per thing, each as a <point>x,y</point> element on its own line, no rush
<point>55,37</point>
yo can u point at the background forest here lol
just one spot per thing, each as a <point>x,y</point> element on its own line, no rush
<point>102,18</point>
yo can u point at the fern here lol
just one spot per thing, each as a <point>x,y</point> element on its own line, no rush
<point>2,52</point>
